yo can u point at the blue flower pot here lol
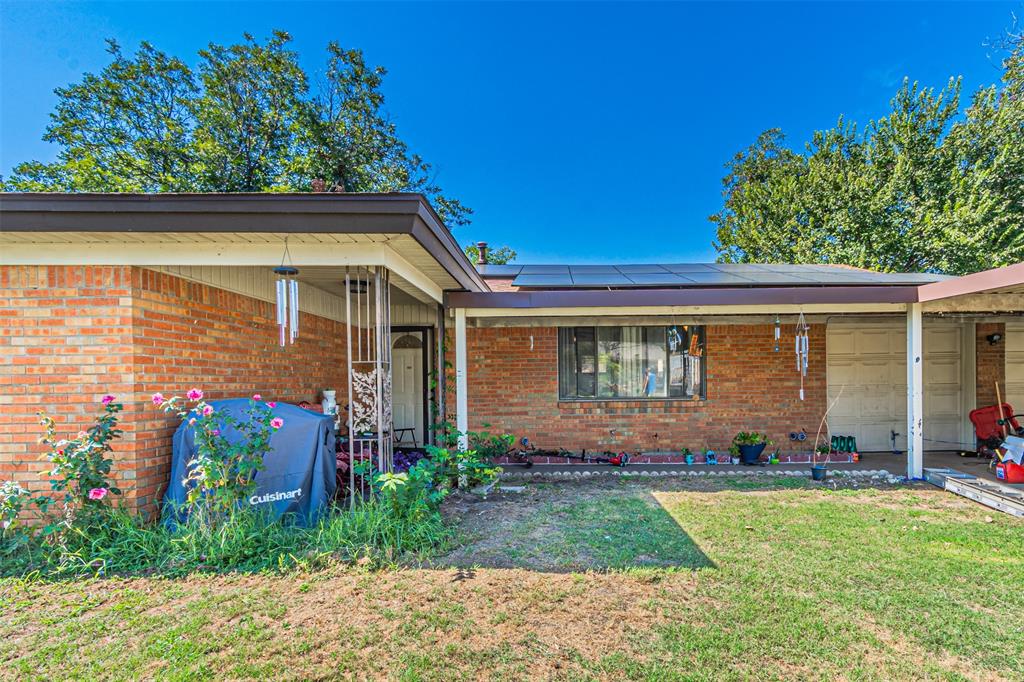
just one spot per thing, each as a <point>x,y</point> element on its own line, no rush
<point>750,454</point>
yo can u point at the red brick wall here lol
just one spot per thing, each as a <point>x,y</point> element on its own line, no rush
<point>991,363</point>
<point>749,387</point>
<point>73,334</point>
<point>188,335</point>
<point>65,342</point>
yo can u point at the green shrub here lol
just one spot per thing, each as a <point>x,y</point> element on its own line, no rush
<point>462,469</point>
<point>81,467</point>
<point>243,539</point>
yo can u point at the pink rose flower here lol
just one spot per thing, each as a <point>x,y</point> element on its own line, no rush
<point>107,399</point>
<point>276,423</point>
<point>158,399</point>
<point>194,394</point>
<point>215,432</point>
<point>257,397</point>
<point>97,493</point>
<point>207,410</point>
<point>271,404</point>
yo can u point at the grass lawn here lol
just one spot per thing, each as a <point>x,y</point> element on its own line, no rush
<point>656,579</point>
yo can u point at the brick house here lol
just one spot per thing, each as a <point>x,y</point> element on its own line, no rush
<point>133,294</point>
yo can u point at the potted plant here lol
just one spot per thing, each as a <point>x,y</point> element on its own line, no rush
<point>748,446</point>
<point>688,456</point>
<point>819,471</point>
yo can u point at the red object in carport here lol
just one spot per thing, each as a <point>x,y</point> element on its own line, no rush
<point>986,422</point>
<point>1010,472</point>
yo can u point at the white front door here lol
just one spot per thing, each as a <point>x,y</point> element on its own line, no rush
<point>1013,393</point>
<point>407,387</point>
<point>868,363</point>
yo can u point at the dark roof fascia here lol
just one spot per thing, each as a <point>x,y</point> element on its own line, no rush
<point>397,213</point>
<point>976,283</point>
<point>683,297</point>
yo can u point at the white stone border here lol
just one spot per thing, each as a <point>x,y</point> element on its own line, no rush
<point>875,474</point>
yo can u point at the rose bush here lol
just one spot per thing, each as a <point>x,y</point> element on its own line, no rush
<point>82,464</point>
<point>222,473</point>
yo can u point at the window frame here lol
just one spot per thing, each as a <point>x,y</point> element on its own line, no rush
<point>702,396</point>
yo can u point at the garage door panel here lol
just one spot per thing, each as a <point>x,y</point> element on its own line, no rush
<point>942,340</point>
<point>944,371</point>
<point>872,342</point>
<point>842,342</point>
<point>873,371</point>
<point>1015,365</point>
<point>844,373</point>
<point>873,374</point>
<point>942,403</point>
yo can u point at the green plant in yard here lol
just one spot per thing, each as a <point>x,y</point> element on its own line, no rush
<point>115,541</point>
<point>411,495</point>
<point>223,471</point>
<point>80,478</point>
<point>462,468</point>
<point>14,499</point>
<point>81,465</point>
<point>748,438</point>
<point>490,445</point>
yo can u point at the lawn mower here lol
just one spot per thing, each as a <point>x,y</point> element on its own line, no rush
<point>528,451</point>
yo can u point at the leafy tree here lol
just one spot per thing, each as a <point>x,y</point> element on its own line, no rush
<point>248,114</point>
<point>496,255</point>
<point>128,129</point>
<point>924,188</point>
<point>246,120</point>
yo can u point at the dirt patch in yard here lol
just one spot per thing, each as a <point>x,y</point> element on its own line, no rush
<point>611,522</point>
<point>356,622</point>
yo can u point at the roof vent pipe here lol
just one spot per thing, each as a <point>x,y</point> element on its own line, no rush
<point>481,253</point>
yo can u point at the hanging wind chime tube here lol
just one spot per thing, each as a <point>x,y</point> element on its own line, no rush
<point>802,346</point>
<point>778,332</point>
<point>287,299</point>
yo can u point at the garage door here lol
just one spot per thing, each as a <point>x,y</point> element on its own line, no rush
<point>1014,391</point>
<point>868,362</point>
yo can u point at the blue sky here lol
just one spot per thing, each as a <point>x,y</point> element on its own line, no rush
<point>578,132</point>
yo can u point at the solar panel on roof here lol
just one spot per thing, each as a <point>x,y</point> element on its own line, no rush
<point>664,278</point>
<point>688,267</point>
<point>600,280</point>
<point>543,280</point>
<point>593,269</point>
<point>544,270</point>
<point>641,269</point>
<point>718,278</point>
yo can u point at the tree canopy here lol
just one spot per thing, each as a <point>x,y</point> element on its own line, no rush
<point>926,188</point>
<point>245,118</point>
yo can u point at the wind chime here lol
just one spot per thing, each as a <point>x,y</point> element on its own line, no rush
<point>802,350</point>
<point>287,299</point>
<point>778,332</point>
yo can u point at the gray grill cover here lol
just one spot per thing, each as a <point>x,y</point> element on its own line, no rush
<point>298,478</point>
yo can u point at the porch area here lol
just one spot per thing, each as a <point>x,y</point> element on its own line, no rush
<point>895,369</point>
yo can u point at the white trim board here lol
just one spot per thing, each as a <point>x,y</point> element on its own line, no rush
<point>220,254</point>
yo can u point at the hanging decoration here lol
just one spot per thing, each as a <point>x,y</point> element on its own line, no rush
<point>778,332</point>
<point>287,299</point>
<point>802,350</point>
<point>674,339</point>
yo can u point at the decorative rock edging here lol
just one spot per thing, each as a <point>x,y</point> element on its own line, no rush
<point>874,474</point>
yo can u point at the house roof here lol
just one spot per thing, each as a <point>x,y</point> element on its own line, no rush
<point>394,218</point>
<point>697,275</point>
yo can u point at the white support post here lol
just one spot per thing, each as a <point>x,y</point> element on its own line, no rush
<point>461,398</point>
<point>915,393</point>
